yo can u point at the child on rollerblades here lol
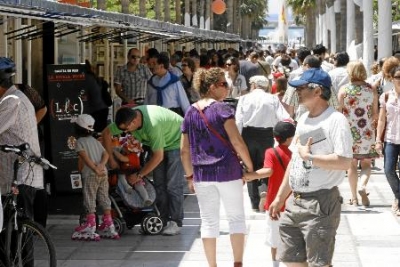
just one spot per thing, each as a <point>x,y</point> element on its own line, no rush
<point>92,160</point>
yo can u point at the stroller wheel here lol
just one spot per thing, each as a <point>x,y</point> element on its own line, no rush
<point>120,225</point>
<point>152,224</point>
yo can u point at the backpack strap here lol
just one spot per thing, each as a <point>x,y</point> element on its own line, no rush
<point>279,158</point>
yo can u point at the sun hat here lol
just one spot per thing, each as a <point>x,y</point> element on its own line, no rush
<point>85,121</point>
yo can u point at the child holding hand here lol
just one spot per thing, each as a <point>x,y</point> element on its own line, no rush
<point>92,160</point>
<point>275,162</point>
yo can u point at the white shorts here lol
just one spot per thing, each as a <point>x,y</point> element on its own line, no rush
<point>210,195</point>
<point>272,234</point>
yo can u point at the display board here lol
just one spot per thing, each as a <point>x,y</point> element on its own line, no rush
<point>67,98</point>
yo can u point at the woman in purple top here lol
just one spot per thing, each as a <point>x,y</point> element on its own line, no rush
<point>211,164</point>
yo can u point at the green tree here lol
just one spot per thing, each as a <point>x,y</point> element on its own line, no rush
<point>253,17</point>
<point>305,13</point>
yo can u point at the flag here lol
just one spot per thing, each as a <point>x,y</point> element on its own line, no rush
<point>283,14</point>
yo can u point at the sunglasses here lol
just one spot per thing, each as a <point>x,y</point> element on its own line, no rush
<point>134,57</point>
<point>184,65</point>
<point>229,64</point>
<point>127,125</point>
<point>396,77</point>
<point>223,84</point>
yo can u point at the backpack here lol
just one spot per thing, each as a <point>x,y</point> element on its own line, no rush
<point>106,96</point>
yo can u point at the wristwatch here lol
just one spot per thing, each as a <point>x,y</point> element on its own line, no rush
<point>309,163</point>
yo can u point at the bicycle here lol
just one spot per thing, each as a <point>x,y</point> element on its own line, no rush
<point>23,242</point>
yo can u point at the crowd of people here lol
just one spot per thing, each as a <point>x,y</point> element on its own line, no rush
<point>211,119</point>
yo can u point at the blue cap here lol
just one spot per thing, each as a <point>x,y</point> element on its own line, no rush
<point>6,63</point>
<point>313,75</point>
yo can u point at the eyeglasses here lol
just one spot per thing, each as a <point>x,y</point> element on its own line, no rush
<point>134,57</point>
<point>223,84</point>
<point>184,65</point>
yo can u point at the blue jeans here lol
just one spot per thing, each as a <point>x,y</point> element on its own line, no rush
<point>391,153</point>
<point>168,182</point>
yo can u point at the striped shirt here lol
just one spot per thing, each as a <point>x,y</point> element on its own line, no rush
<point>17,126</point>
<point>134,84</point>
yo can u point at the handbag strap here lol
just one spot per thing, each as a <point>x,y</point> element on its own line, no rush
<point>213,130</point>
<point>279,158</point>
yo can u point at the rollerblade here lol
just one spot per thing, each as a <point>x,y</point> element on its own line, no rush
<point>87,232</point>
<point>107,230</point>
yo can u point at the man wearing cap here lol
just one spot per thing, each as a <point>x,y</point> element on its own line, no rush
<point>256,115</point>
<point>17,126</point>
<point>322,152</point>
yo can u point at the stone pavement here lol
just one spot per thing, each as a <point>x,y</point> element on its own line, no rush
<point>367,237</point>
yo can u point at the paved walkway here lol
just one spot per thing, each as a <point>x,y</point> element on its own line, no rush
<point>366,238</point>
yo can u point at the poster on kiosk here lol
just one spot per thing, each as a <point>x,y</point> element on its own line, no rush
<point>67,98</point>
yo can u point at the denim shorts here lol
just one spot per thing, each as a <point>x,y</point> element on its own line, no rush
<point>308,227</point>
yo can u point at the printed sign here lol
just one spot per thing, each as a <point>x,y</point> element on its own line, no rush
<point>67,98</point>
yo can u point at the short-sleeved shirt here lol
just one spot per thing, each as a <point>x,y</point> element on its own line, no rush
<point>93,149</point>
<point>18,126</point>
<point>237,86</point>
<point>134,84</point>
<point>212,159</point>
<point>275,180</point>
<point>338,140</point>
<point>160,128</point>
<point>252,109</point>
<point>392,134</point>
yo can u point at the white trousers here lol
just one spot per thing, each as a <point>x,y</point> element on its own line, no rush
<point>210,195</point>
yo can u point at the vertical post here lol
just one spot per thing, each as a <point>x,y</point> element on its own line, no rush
<point>350,22</point>
<point>18,53</point>
<point>368,43</point>
<point>29,57</point>
<point>82,46</point>
<point>384,29</point>
<point>4,47</point>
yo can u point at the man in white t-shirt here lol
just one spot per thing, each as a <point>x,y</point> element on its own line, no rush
<point>322,153</point>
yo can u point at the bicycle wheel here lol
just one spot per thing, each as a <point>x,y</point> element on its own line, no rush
<point>33,246</point>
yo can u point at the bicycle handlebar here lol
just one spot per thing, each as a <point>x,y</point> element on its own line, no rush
<point>19,150</point>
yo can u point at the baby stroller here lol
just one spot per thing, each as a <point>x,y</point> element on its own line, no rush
<point>128,208</point>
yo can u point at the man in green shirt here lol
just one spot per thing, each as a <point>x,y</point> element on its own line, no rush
<point>158,128</point>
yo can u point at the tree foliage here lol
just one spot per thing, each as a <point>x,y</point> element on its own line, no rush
<point>256,10</point>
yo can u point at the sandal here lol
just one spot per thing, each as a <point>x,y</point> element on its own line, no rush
<point>353,201</point>
<point>364,197</point>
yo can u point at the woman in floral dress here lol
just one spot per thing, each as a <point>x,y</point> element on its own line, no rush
<point>359,103</point>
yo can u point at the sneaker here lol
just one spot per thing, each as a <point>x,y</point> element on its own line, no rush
<point>364,197</point>
<point>171,229</point>
<point>262,202</point>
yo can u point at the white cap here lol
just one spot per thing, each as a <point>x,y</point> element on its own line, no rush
<point>259,80</point>
<point>85,121</point>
